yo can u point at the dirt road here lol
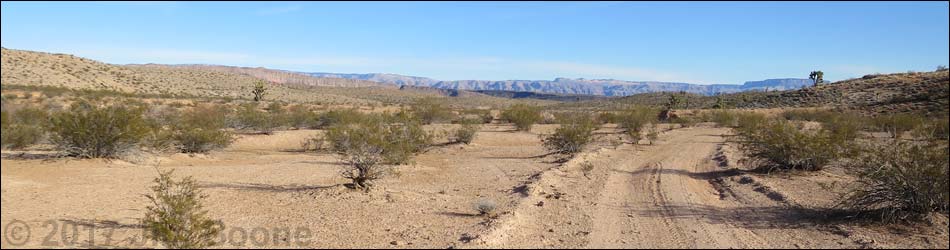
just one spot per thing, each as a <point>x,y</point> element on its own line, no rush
<point>681,192</point>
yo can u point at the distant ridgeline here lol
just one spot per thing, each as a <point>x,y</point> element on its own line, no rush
<point>599,87</point>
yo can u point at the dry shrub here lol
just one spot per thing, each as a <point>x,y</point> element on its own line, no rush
<point>897,124</point>
<point>176,217</point>
<point>466,133</point>
<point>88,131</point>
<point>780,145</point>
<point>575,132</point>
<point>901,181</point>
<point>523,116</point>
<point>486,207</point>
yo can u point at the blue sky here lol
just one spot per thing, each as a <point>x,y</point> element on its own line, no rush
<point>697,42</point>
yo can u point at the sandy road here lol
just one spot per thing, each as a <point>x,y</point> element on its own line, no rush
<point>645,194</point>
<point>656,196</point>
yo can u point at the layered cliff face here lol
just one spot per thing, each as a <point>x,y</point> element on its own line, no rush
<point>603,87</point>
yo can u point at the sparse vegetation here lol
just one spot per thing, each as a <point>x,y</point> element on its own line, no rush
<point>466,133</point>
<point>575,132</point>
<point>25,127</point>
<point>431,110</point>
<point>201,130</point>
<point>365,145</point>
<point>176,217</point>
<point>249,117</point>
<point>88,131</point>
<point>901,181</point>
<point>896,125</point>
<point>522,115</point>
<point>634,119</point>
<point>780,145</point>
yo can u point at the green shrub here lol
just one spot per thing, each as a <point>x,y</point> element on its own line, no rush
<point>300,117</point>
<point>361,147</point>
<point>483,115</point>
<point>397,141</point>
<point>430,110</point>
<point>200,130</point>
<point>466,133</point>
<point>248,117</point>
<point>343,116</point>
<point>901,181</point>
<point>88,131</point>
<point>4,119</point>
<point>21,136</point>
<point>607,117</point>
<point>522,115</point>
<point>575,132</point>
<point>897,124</point>
<point>176,217</point>
<point>780,145</point>
<point>24,128</point>
<point>634,119</point>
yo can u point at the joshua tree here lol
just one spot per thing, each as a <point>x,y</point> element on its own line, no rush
<point>817,77</point>
<point>258,91</point>
<point>720,102</point>
<point>673,102</point>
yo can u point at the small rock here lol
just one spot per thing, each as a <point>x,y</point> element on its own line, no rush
<point>397,243</point>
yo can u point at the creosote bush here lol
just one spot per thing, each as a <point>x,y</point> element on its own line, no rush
<point>901,181</point>
<point>176,217</point>
<point>364,146</point>
<point>430,110</point>
<point>466,133</point>
<point>88,131</point>
<point>25,127</point>
<point>575,132</point>
<point>522,115</point>
<point>249,117</point>
<point>201,130</point>
<point>634,119</point>
<point>780,145</point>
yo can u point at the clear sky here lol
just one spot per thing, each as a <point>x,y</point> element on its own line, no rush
<point>697,42</point>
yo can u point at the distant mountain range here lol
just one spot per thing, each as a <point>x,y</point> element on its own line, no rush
<point>580,86</point>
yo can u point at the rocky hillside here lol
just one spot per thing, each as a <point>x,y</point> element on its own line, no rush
<point>921,92</point>
<point>29,70</point>
<point>924,93</point>
<point>580,86</point>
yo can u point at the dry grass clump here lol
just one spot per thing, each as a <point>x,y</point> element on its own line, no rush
<point>901,181</point>
<point>522,115</point>
<point>176,217</point>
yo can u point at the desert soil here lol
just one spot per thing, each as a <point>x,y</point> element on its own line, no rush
<point>686,190</point>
